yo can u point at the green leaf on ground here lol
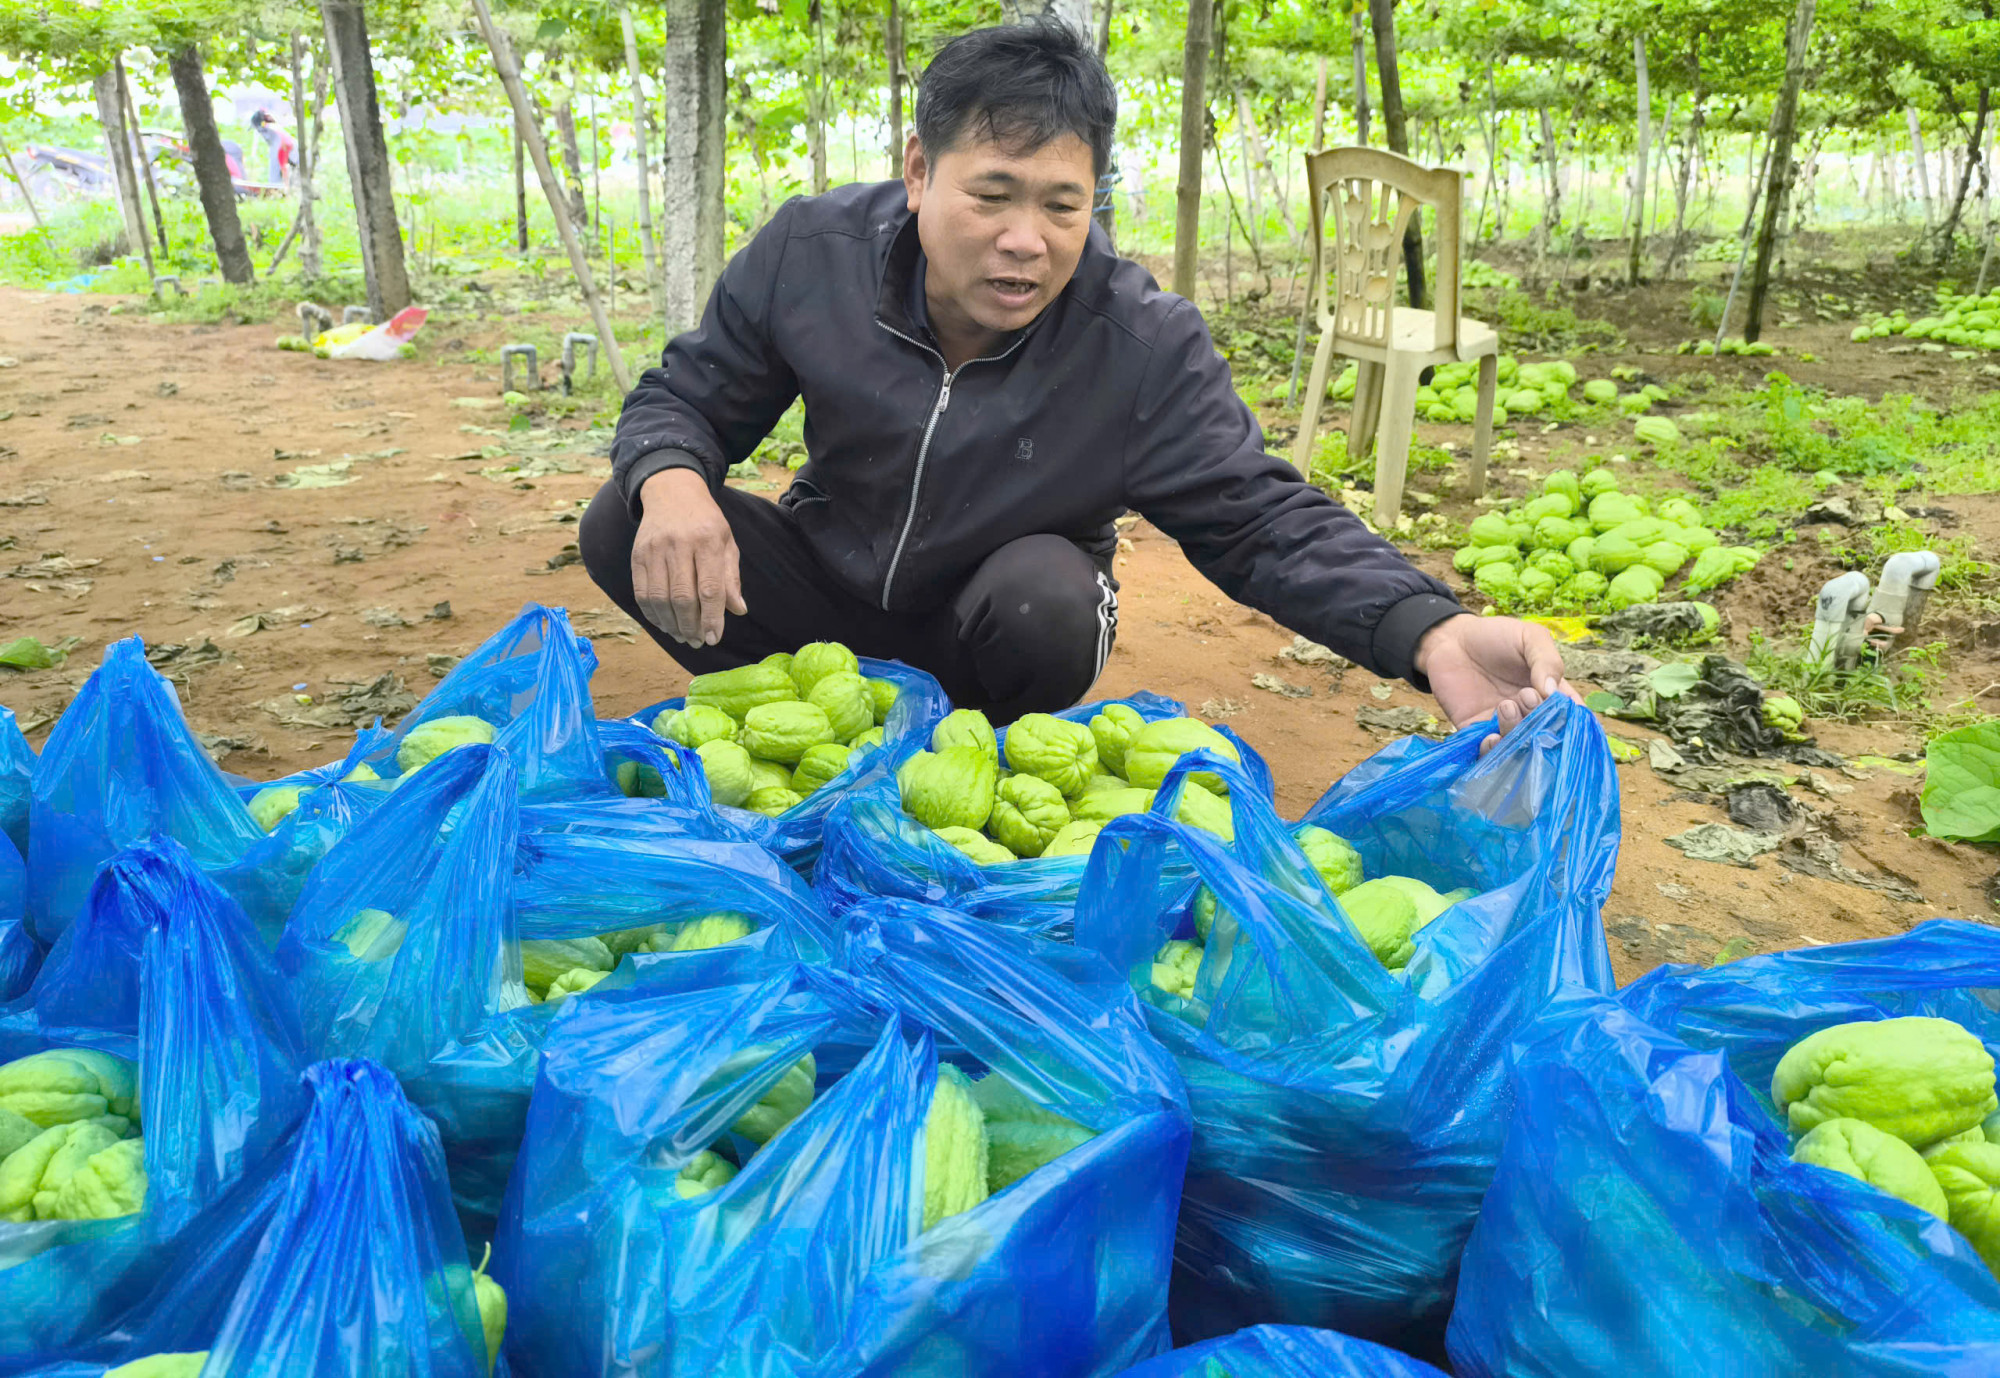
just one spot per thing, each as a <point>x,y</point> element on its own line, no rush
<point>1961,797</point>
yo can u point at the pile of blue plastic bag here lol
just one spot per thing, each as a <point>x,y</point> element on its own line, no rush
<point>528,1058</point>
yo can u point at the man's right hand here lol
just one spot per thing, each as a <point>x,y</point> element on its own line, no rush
<point>684,573</point>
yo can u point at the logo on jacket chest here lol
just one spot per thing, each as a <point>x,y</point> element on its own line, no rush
<point>1024,448</point>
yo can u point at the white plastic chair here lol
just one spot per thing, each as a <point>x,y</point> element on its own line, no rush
<point>1371,195</point>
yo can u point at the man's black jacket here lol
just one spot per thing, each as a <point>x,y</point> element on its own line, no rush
<point>1114,399</point>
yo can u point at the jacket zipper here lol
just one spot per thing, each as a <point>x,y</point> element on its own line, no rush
<point>924,446</point>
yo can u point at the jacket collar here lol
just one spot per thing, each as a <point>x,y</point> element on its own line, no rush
<point>899,268</point>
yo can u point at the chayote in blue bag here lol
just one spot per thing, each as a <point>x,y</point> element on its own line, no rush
<point>526,689</point>
<point>163,975</point>
<point>791,1174</point>
<point>795,834</point>
<point>1647,1217</point>
<point>1347,1116</point>
<point>337,1255</point>
<point>1284,1351</point>
<point>121,765</point>
<point>873,848</point>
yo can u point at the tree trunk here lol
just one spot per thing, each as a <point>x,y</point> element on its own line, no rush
<point>1923,166</point>
<point>893,33</point>
<point>552,188</point>
<point>1690,146</point>
<point>1382,15</point>
<point>1251,200</point>
<point>572,162</point>
<point>1194,130</point>
<point>520,192</point>
<point>1552,175</point>
<point>1784,127</point>
<point>111,114</point>
<point>691,163</point>
<point>307,155</point>
<point>1639,174</point>
<point>211,166</point>
<point>1489,133</point>
<point>1360,46</point>
<point>816,103</point>
<point>21,183</point>
<point>1949,232</point>
<point>1106,211</point>
<point>143,157</point>
<point>642,155</point>
<point>367,157</point>
<point>1104,31</point>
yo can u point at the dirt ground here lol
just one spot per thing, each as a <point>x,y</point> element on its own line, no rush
<point>142,473</point>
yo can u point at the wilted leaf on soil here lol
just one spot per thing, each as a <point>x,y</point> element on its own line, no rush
<point>1672,680</point>
<point>383,617</point>
<point>1400,721</point>
<point>28,653</point>
<point>1283,688</point>
<point>1304,652</point>
<point>350,704</point>
<point>1718,842</point>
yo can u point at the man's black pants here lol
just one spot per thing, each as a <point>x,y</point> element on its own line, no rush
<point>1028,633</point>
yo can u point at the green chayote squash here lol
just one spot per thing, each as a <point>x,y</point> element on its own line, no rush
<point>953,788</point>
<point>544,959</point>
<point>738,691</point>
<point>1614,553</point>
<point>1664,557</point>
<point>1332,856</point>
<point>781,659</point>
<point>978,848</point>
<point>1564,481</point>
<point>1075,838</point>
<point>813,662</point>
<point>772,800</point>
<point>1680,510</point>
<point>1917,1077</point>
<point>1639,584</point>
<point>1581,550</point>
<point>1199,808</point>
<point>427,741</point>
<point>1103,782</point>
<point>819,766</point>
<point>1610,510</point>
<point>274,805</point>
<point>1157,745</point>
<point>966,727</point>
<point>1028,813</point>
<point>782,732</point>
<point>1553,563</point>
<point>1596,483</point>
<point>1490,528</point>
<point>1969,1176</point>
<point>1113,729</point>
<point>695,724</point>
<point>1556,533</point>
<point>872,737</point>
<point>1385,917</point>
<point>1883,1161</point>
<point>1583,586</point>
<point>728,767</point>
<point>768,775</point>
<point>1548,505</point>
<point>1717,565</point>
<point>1061,752</point>
<point>76,1171</point>
<point>1600,391</point>
<point>882,695</point>
<point>1103,805</point>
<point>845,700</point>
<point>62,1085</point>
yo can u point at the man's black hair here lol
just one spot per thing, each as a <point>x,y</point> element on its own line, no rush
<point>1020,85</point>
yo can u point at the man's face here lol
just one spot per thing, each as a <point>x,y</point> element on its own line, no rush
<point>1002,229</point>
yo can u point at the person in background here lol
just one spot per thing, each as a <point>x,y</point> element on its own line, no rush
<point>284,148</point>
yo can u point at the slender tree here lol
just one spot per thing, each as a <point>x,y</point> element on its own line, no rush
<point>1194,133</point>
<point>1382,17</point>
<point>367,156</point>
<point>1645,134</point>
<point>644,156</point>
<point>111,114</point>
<point>1784,128</point>
<point>691,165</point>
<point>211,165</point>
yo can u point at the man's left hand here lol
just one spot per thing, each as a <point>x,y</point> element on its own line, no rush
<point>1491,665</point>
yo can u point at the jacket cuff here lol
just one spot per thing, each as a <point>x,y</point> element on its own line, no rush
<point>645,466</point>
<point>1401,628</point>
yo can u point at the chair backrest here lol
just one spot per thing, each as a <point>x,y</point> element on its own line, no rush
<point>1371,195</point>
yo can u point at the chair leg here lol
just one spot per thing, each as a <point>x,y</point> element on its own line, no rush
<point>1392,456</point>
<point>1302,447</point>
<point>1367,409</point>
<point>1482,425</point>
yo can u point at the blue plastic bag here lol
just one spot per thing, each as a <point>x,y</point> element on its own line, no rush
<point>339,1256</point>
<point>795,834</point>
<point>810,1260</point>
<point>17,771</point>
<point>121,765</point>
<point>572,884</point>
<point>531,681</point>
<point>1347,1118</point>
<point>1284,1351</point>
<point>1647,1217</point>
<point>161,969</point>
<point>875,849</point>
<point>20,958</point>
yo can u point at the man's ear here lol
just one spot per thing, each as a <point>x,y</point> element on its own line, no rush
<point>916,172</point>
